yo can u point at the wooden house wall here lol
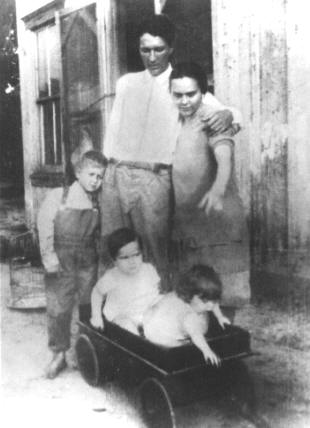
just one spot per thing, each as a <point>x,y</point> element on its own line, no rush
<point>261,65</point>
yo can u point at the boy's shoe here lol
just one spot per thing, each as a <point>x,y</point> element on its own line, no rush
<point>57,364</point>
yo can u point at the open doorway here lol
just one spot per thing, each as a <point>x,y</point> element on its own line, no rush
<point>193,32</point>
<point>193,27</point>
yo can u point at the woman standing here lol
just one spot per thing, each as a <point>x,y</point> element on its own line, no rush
<point>209,220</point>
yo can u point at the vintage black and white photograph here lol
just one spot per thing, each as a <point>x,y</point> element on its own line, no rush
<point>155,213</point>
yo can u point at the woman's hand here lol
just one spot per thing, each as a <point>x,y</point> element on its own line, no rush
<point>212,200</point>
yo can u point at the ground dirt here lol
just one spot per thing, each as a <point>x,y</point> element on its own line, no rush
<point>280,372</point>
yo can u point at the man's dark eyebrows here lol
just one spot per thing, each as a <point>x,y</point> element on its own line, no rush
<point>157,48</point>
<point>190,93</point>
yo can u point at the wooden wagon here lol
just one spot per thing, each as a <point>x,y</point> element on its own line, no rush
<point>166,378</point>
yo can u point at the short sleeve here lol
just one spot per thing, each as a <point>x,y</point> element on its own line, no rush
<point>105,283</point>
<point>152,280</point>
<point>152,274</point>
<point>225,138</point>
<point>216,105</point>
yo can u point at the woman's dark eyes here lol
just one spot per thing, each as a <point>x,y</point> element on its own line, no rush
<point>147,51</point>
<point>130,257</point>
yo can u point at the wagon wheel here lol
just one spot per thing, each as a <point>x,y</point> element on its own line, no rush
<point>156,404</point>
<point>87,360</point>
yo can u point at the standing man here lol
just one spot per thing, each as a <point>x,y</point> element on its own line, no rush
<point>139,143</point>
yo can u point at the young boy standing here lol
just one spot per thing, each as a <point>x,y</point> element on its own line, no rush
<point>68,226</point>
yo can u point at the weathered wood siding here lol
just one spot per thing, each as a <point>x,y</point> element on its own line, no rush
<point>30,116</point>
<point>298,36</point>
<point>262,65</point>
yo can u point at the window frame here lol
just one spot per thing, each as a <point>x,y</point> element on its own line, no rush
<point>44,17</point>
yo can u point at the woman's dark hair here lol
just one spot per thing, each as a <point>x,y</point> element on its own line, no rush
<point>201,280</point>
<point>121,237</point>
<point>192,70</point>
<point>158,25</point>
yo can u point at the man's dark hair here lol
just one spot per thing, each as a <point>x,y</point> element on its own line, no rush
<point>92,157</point>
<point>192,70</point>
<point>121,237</point>
<point>201,280</point>
<point>160,26</point>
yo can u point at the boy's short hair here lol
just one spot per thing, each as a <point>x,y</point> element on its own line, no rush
<point>192,70</point>
<point>158,25</point>
<point>201,280</point>
<point>93,158</point>
<point>121,237</point>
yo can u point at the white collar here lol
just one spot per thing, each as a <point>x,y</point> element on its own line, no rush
<point>76,186</point>
<point>162,77</point>
<point>77,195</point>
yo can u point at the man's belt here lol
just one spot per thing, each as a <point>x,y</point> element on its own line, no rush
<point>154,167</point>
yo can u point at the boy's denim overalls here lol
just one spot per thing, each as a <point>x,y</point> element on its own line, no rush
<point>75,241</point>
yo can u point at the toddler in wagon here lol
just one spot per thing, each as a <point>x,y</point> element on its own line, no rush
<point>128,288</point>
<point>182,315</point>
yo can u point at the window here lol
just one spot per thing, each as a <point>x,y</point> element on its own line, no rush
<point>46,56</point>
<point>49,73</point>
<point>68,93</point>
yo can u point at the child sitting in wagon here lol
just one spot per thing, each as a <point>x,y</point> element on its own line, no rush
<point>182,315</point>
<point>127,289</point>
